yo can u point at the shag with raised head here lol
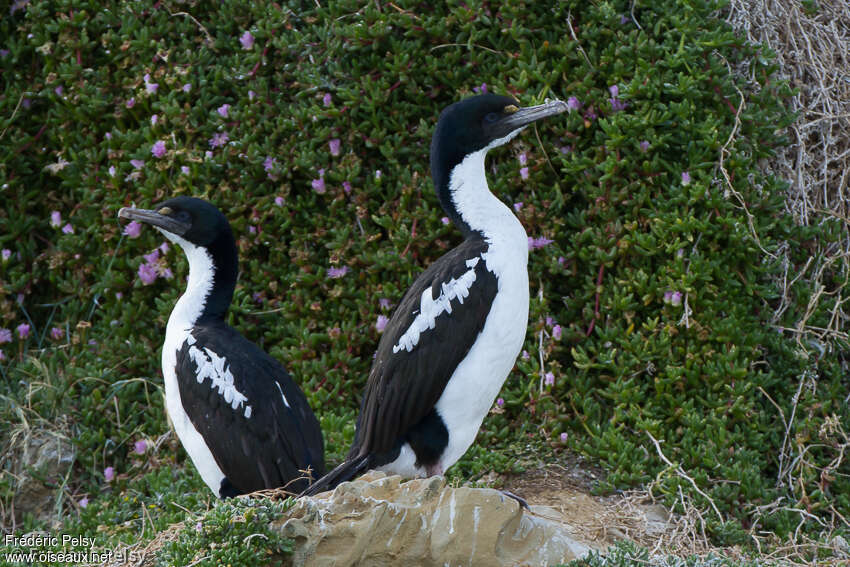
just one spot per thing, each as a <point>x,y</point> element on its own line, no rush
<point>455,335</point>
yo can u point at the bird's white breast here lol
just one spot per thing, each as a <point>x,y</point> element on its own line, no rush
<point>183,317</point>
<point>475,383</point>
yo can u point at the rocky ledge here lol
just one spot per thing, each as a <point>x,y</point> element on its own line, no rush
<point>379,520</point>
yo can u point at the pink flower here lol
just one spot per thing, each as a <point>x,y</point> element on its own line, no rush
<point>6,254</point>
<point>187,87</point>
<point>84,502</point>
<point>147,273</point>
<point>334,146</point>
<point>5,336</point>
<point>378,174</point>
<point>109,474</point>
<point>644,146</point>
<point>68,229</point>
<point>523,172</point>
<point>676,298</point>
<point>56,333</point>
<point>556,332</point>
<point>346,186</point>
<point>111,171</point>
<point>444,220</point>
<point>549,378</point>
<point>55,219</point>
<point>549,321</point>
<point>158,149</point>
<point>223,110</point>
<point>131,103</point>
<point>137,163</point>
<point>686,178</point>
<point>381,323</point>
<point>152,257</point>
<point>251,95</point>
<point>523,158</point>
<point>278,201</point>
<point>336,273</point>
<point>219,139</point>
<point>326,100</point>
<point>525,355</point>
<point>563,437</point>
<point>164,247</point>
<point>616,104</point>
<point>247,40</point>
<point>500,402</point>
<point>2,355</point>
<point>58,90</point>
<point>151,87</point>
<point>184,169</point>
<point>384,303</point>
<point>269,163</point>
<point>154,119</point>
<point>252,229</point>
<point>573,103</point>
<point>140,447</point>
<point>319,184</point>
<point>518,206</point>
<point>535,243</point>
<point>480,89</point>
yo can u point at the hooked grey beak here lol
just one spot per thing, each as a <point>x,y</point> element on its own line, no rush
<point>525,116</point>
<point>156,219</point>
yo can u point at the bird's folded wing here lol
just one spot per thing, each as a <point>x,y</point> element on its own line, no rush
<point>430,333</point>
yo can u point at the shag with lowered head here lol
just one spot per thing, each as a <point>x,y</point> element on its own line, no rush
<point>243,421</point>
<point>455,335</point>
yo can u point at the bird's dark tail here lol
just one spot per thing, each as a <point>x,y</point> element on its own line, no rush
<point>346,471</point>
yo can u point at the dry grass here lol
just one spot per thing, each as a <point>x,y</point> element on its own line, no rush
<point>812,47</point>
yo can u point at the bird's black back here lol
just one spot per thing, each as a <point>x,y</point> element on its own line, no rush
<point>270,448</point>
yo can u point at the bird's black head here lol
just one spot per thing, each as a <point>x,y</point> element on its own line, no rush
<point>481,123</point>
<point>205,236</point>
<point>193,220</point>
<point>467,130</point>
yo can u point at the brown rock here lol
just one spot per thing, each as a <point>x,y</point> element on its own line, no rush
<point>378,520</point>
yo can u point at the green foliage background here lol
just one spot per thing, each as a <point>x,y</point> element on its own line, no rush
<point>723,389</point>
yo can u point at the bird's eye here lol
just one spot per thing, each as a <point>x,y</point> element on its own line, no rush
<point>491,117</point>
<point>183,216</point>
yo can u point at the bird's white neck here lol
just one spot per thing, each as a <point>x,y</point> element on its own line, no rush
<point>483,212</point>
<point>193,302</point>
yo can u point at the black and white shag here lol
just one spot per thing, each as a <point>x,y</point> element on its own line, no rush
<point>243,421</point>
<point>455,336</point>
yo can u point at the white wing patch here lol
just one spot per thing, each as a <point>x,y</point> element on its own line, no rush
<point>430,308</point>
<point>212,366</point>
<point>286,403</point>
